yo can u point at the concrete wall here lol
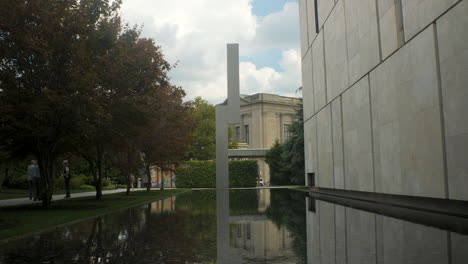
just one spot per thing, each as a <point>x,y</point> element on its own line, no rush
<point>385,95</point>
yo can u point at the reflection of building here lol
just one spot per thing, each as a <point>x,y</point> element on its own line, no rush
<point>260,239</point>
<point>167,177</point>
<point>165,205</point>
<point>264,119</point>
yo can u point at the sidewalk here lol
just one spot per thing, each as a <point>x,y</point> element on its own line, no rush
<point>57,197</point>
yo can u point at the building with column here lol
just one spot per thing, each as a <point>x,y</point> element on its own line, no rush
<point>385,89</point>
<point>265,118</point>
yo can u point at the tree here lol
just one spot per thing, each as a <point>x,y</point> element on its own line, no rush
<point>286,160</point>
<point>39,43</point>
<point>168,133</point>
<point>204,141</point>
<point>275,161</point>
<point>293,151</point>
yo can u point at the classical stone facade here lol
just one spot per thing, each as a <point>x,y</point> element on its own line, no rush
<point>385,87</point>
<point>264,119</point>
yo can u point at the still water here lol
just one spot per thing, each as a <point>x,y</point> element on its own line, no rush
<point>243,226</point>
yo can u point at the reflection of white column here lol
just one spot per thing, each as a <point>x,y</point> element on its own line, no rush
<point>222,225</point>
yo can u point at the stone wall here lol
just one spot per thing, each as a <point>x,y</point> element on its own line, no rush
<point>385,87</point>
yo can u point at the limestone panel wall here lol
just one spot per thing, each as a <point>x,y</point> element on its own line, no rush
<point>318,68</point>
<point>357,137</point>
<point>391,26</point>
<point>385,92</point>
<point>418,14</point>
<point>325,150</point>
<point>336,63</point>
<point>337,138</point>
<point>407,129</point>
<point>307,86</point>
<point>362,37</point>
<point>452,30</point>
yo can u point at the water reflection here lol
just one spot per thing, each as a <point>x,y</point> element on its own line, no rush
<point>177,229</point>
<point>248,226</point>
<point>339,234</point>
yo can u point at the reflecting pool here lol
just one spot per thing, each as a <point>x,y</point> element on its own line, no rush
<point>247,226</point>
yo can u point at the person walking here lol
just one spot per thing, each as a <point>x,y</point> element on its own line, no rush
<point>132,180</point>
<point>30,175</point>
<point>66,177</point>
<point>35,175</point>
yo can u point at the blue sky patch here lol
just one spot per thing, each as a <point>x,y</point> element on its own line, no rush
<point>262,8</point>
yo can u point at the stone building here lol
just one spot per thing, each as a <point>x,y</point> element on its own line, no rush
<point>385,88</point>
<point>264,119</point>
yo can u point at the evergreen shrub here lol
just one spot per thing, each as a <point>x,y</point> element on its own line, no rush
<point>202,174</point>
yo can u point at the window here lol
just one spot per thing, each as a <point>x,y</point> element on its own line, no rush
<point>317,27</point>
<point>247,135</point>
<point>238,133</point>
<point>286,132</point>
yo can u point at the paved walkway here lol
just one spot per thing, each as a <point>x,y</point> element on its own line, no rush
<point>21,201</point>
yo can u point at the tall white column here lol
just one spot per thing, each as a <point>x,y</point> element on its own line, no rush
<point>227,114</point>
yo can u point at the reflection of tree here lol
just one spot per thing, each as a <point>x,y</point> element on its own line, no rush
<point>287,210</point>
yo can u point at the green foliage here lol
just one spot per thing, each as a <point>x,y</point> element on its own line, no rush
<point>286,160</point>
<point>87,187</point>
<point>17,175</point>
<point>275,162</point>
<point>109,187</point>
<point>202,174</point>
<point>243,173</point>
<point>203,146</point>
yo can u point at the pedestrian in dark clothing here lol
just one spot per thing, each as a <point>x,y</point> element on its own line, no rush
<point>30,174</point>
<point>35,175</point>
<point>66,177</point>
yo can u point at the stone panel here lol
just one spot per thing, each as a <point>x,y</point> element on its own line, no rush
<point>340,230</point>
<point>406,242</point>
<point>313,234</point>
<point>391,26</point>
<point>453,51</point>
<point>459,248</point>
<point>335,52</point>
<point>310,146</point>
<point>324,9</point>
<point>337,134</point>
<point>327,232</point>
<point>362,37</point>
<point>307,86</point>
<point>357,138</point>
<point>417,14</point>
<point>311,21</point>
<point>360,238</point>
<point>303,26</point>
<point>406,121</point>
<point>318,67</point>
<point>325,148</point>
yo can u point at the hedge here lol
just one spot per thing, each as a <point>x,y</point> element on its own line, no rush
<point>202,174</point>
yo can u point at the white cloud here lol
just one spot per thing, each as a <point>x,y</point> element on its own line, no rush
<point>195,33</point>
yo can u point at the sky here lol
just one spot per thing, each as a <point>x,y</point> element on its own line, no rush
<point>193,35</point>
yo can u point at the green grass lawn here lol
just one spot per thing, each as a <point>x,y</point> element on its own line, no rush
<point>20,193</point>
<point>26,219</point>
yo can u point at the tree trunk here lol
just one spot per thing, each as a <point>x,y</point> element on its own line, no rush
<point>162,179</point>
<point>98,179</point>
<point>148,174</point>
<point>47,169</point>
<point>129,160</point>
